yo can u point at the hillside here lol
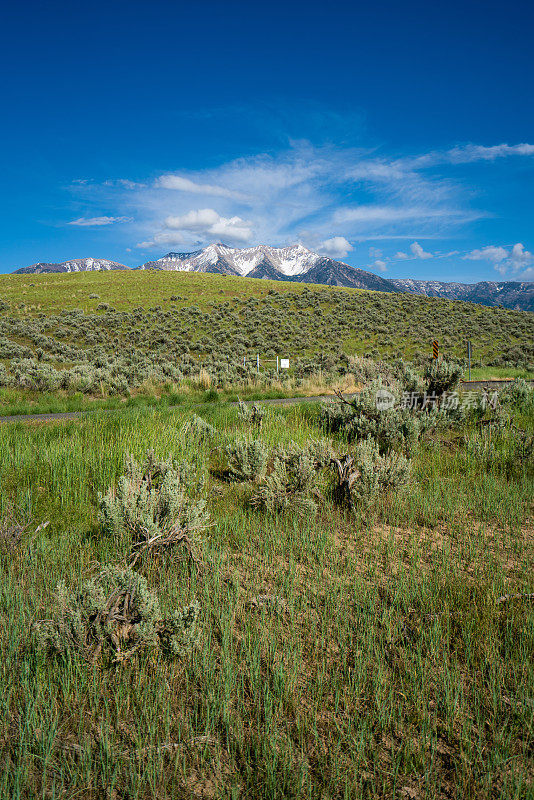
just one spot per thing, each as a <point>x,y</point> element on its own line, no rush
<point>297,263</point>
<point>177,317</point>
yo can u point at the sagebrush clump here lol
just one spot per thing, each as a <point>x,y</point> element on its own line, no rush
<point>393,428</point>
<point>157,505</point>
<point>247,459</point>
<point>518,395</point>
<point>363,475</point>
<point>251,415</point>
<point>112,617</point>
<point>293,482</point>
<point>442,376</point>
<point>197,428</point>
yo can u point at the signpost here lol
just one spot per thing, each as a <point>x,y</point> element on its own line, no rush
<point>469,356</point>
<point>435,349</point>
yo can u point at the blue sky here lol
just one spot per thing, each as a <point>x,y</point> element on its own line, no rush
<point>396,137</point>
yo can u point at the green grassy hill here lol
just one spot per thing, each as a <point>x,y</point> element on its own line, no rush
<point>360,579</point>
<point>179,313</point>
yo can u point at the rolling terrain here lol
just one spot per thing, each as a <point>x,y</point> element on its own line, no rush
<point>192,605</point>
<point>206,314</point>
<point>299,264</point>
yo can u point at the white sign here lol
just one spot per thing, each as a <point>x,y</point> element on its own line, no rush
<point>284,363</point>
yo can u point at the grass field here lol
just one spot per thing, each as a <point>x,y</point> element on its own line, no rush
<point>298,319</point>
<point>389,667</point>
<point>499,373</point>
<point>73,341</point>
<point>125,290</point>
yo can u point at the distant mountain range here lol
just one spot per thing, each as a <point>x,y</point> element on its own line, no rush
<point>297,263</point>
<point>75,265</point>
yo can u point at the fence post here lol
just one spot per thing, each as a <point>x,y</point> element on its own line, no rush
<point>469,357</point>
<point>258,362</point>
<point>277,370</point>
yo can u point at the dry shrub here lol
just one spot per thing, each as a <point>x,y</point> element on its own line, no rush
<point>158,506</point>
<point>114,616</point>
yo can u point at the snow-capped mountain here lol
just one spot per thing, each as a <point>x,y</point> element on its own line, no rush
<point>258,262</point>
<point>75,265</point>
<point>297,263</point>
<point>510,294</point>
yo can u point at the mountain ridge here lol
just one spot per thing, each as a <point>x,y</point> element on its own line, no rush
<point>299,264</point>
<point>72,265</point>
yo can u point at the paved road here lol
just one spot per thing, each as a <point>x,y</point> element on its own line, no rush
<point>66,415</point>
<point>470,386</point>
<point>282,401</point>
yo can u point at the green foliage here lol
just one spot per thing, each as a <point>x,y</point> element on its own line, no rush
<point>409,378</point>
<point>319,451</point>
<point>393,428</point>
<point>139,335</point>
<point>412,615</point>
<point>518,395</point>
<point>441,376</point>
<point>247,458</point>
<point>114,616</point>
<point>365,475</point>
<point>291,484</point>
<point>500,448</point>
<point>155,505</point>
<point>251,415</point>
<point>197,428</point>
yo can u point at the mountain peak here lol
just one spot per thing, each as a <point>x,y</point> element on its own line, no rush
<point>73,265</point>
<point>295,262</point>
<point>278,262</point>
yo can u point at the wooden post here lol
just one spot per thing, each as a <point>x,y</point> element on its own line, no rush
<point>469,357</point>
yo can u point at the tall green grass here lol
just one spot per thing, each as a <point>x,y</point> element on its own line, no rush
<point>394,672</point>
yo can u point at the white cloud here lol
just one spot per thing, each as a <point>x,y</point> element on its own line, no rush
<point>505,261</point>
<point>304,193</point>
<point>380,265</point>
<point>418,251</point>
<point>193,220</point>
<point>468,153</point>
<point>519,257</point>
<point>475,152</point>
<point>125,183</point>
<point>207,223</point>
<point>163,239</point>
<point>336,247</point>
<point>181,184</point>
<point>401,256</point>
<point>490,253</point>
<point>89,222</point>
<point>380,214</point>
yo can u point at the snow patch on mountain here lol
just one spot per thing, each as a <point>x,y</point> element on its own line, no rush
<point>287,261</point>
<point>74,265</point>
